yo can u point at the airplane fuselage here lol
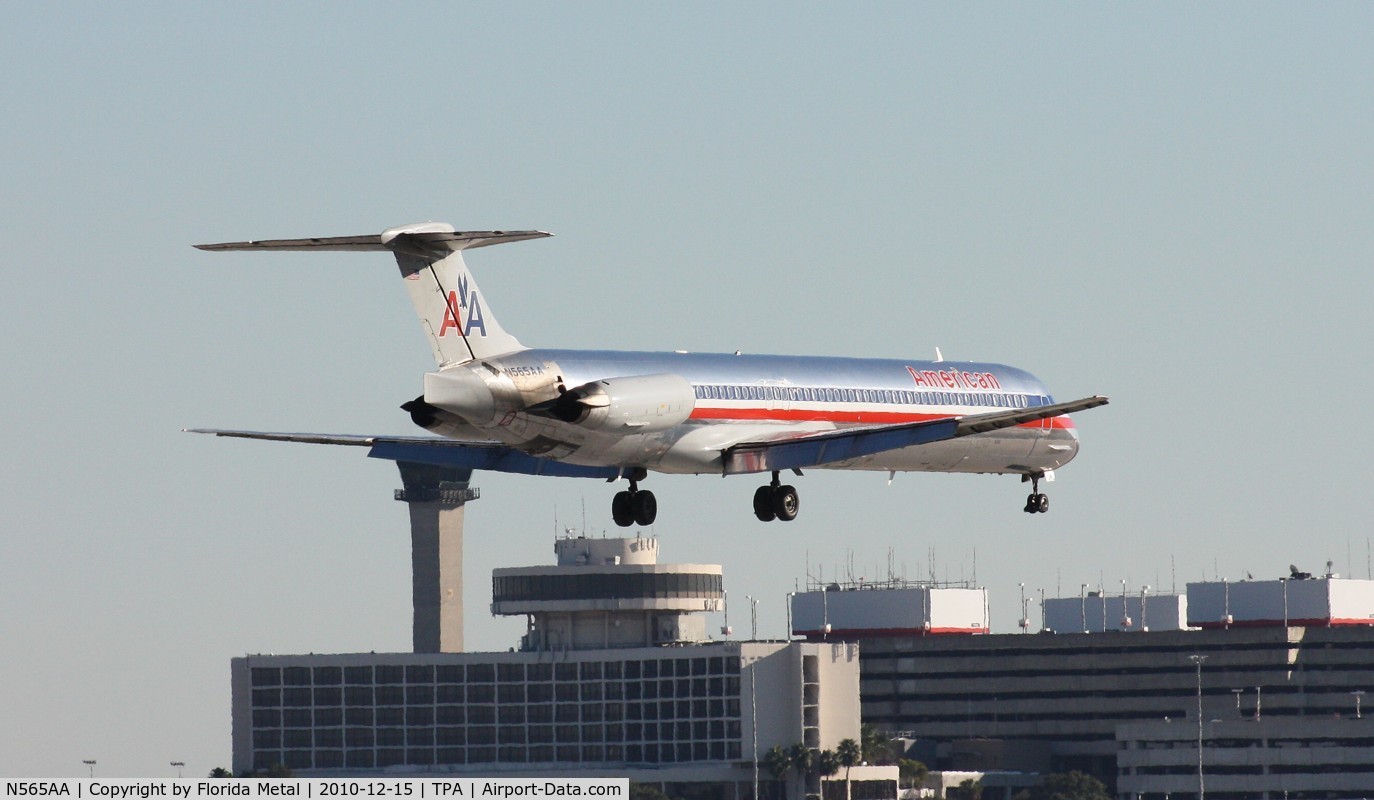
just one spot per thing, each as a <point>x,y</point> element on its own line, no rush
<point>613,414</point>
<point>687,408</point>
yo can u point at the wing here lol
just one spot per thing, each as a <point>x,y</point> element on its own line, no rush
<point>433,450</point>
<point>819,449</point>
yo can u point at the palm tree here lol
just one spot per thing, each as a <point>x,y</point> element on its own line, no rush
<point>776,762</point>
<point>913,773</point>
<point>802,758</point>
<point>876,747</point>
<point>827,764</point>
<point>849,753</point>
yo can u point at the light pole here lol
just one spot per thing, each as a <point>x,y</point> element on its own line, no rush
<point>89,762</point>
<point>1258,697</point>
<point>1102,596</point>
<point>1083,606</point>
<point>1043,619</point>
<point>753,618</point>
<point>790,596</point>
<point>1358,693</point>
<point>1023,622</point>
<point>1237,693</point>
<point>1144,617</point>
<point>178,765</point>
<point>1198,659</point>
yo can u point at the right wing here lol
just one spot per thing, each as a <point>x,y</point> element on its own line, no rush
<point>433,450</point>
<point>829,447</point>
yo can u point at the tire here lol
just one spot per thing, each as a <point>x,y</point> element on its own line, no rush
<point>1032,505</point>
<point>1042,504</point>
<point>786,504</point>
<point>622,509</point>
<point>645,507</point>
<point>763,504</point>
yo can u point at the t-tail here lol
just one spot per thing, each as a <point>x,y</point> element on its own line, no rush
<point>453,311</point>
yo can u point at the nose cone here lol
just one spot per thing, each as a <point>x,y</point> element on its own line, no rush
<point>463,392</point>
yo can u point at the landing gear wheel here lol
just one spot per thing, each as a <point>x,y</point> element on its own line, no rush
<point>645,507</point>
<point>786,504</point>
<point>1036,503</point>
<point>622,509</point>
<point>763,504</point>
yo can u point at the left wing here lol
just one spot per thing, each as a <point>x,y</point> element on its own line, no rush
<point>433,450</point>
<point>819,449</point>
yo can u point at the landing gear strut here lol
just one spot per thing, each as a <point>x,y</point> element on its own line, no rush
<point>634,507</point>
<point>775,501</point>
<point>1036,503</point>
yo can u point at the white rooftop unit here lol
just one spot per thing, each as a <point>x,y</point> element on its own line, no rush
<point>1297,602</point>
<point>889,610</point>
<point>1097,613</point>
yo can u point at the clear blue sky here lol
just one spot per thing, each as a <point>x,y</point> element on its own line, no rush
<point>1166,203</point>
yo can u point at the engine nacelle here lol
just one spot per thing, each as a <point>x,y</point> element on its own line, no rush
<point>636,404</point>
<point>438,421</point>
<point>461,392</point>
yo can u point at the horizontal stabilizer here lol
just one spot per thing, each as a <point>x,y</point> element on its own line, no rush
<point>425,240</point>
<point>819,449</point>
<point>432,450</point>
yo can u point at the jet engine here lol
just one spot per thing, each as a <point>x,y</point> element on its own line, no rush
<point>461,392</point>
<point>635,404</point>
<point>438,421</point>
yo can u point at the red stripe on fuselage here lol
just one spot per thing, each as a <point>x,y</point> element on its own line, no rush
<point>827,415</point>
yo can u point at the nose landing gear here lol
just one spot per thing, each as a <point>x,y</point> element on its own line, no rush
<point>635,506</point>
<point>776,501</point>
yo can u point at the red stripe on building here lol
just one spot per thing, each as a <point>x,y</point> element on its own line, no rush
<point>859,633</point>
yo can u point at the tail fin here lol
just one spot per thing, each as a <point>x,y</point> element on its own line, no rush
<point>455,315</point>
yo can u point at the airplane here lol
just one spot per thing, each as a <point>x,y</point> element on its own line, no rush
<point>496,404</point>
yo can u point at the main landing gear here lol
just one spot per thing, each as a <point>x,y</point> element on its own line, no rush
<point>635,506</point>
<point>775,501</point>
<point>1036,503</point>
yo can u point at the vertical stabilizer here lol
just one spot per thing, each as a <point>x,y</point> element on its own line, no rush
<point>453,311</point>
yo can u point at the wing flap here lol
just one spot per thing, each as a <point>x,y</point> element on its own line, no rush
<point>819,449</point>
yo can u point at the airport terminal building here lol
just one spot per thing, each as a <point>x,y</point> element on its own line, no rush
<point>512,712</point>
<point>615,677</point>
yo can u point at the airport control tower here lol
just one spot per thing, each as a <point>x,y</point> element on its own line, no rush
<point>608,593</point>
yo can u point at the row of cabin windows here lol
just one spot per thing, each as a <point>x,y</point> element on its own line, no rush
<point>827,394</point>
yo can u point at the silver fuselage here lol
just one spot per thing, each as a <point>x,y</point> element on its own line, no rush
<point>750,398</point>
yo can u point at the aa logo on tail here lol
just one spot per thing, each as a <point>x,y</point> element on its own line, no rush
<point>461,298</point>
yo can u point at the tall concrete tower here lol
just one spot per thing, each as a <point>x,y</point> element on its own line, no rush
<point>436,497</point>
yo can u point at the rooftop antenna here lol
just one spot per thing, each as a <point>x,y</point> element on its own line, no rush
<point>1173,577</point>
